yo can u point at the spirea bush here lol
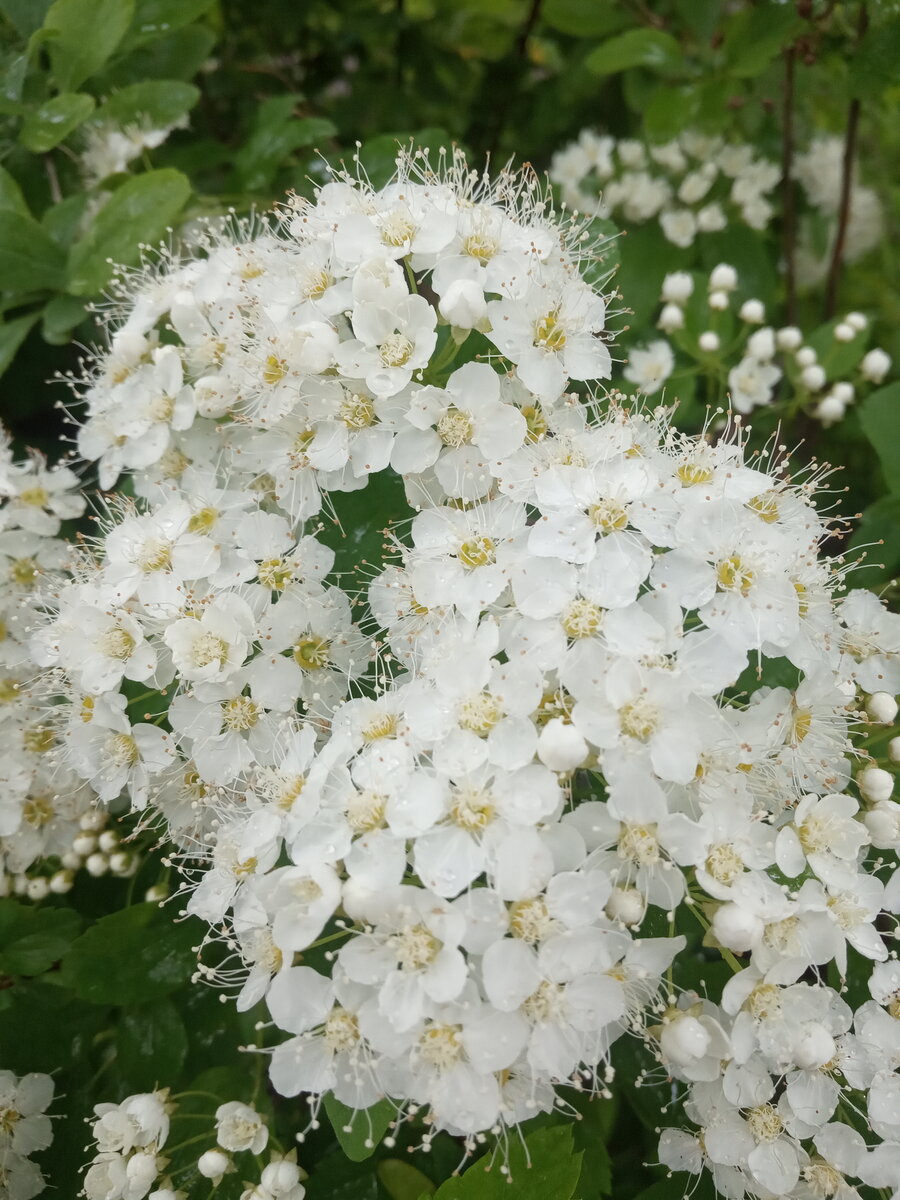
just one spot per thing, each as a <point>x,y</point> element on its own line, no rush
<point>570,789</point>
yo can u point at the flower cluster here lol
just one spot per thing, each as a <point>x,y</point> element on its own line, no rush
<point>40,808</point>
<point>754,363</point>
<point>539,733</point>
<point>693,185</point>
<point>129,1138</point>
<point>24,1130</point>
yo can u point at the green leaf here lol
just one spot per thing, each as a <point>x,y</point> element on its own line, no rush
<point>61,220</point>
<point>582,18</point>
<point>151,1044</point>
<point>646,258</point>
<point>12,335</point>
<point>137,212</point>
<point>880,524</point>
<point>637,48</point>
<point>590,1136</point>
<point>157,101</point>
<point>33,939</point>
<point>335,1177</point>
<point>61,316</point>
<point>359,1131</point>
<point>177,55</point>
<point>359,541</point>
<point>547,1168</point>
<point>754,36</point>
<point>133,956</point>
<point>55,120</point>
<point>402,1181</point>
<point>670,110</point>
<point>26,15</point>
<point>838,359</point>
<point>880,419</point>
<point>11,194</point>
<point>158,18</point>
<point>84,35</point>
<point>30,260</point>
<point>876,64</point>
<point>276,134</point>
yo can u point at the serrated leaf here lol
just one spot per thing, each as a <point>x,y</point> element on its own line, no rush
<point>50,124</point>
<point>637,48</point>
<point>354,1128</point>
<point>159,102</point>
<point>84,33</point>
<point>139,211</point>
<point>151,1044</point>
<point>880,419</point>
<point>12,335</point>
<point>547,1168</point>
<point>30,260</point>
<point>133,956</point>
<point>11,194</point>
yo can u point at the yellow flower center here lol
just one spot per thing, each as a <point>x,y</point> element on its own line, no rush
<point>549,334</point>
<point>477,552</point>
<point>733,576</point>
<point>311,653</point>
<point>396,350</point>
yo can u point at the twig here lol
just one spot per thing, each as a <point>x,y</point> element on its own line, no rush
<point>850,138</point>
<point>530,22</point>
<point>789,204</point>
<point>55,190</point>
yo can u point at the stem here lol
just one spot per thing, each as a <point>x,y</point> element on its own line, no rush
<point>789,229</point>
<point>850,137</point>
<point>525,34</point>
<point>55,190</point>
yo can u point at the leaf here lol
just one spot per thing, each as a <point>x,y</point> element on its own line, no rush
<point>139,211</point>
<point>876,64</point>
<point>880,523</point>
<point>33,939</point>
<point>754,36</point>
<point>637,48</point>
<point>335,1177</point>
<point>582,18</point>
<point>646,256</point>
<point>61,220</point>
<point>54,121</point>
<point>276,134</point>
<point>839,359</point>
<point>12,335</point>
<point>151,1044</point>
<point>26,15</point>
<point>159,101</point>
<point>670,110</point>
<point>359,540</point>
<point>359,1131</point>
<point>880,419</point>
<point>547,1168</point>
<point>132,956</point>
<point>157,18</point>
<point>177,55</point>
<point>590,1136</point>
<point>11,194</point>
<point>84,35</point>
<point>61,316</point>
<point>30,260</point>
<point>402,1181</point>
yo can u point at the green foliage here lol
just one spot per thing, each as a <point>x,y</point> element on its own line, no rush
<point>880,418</point>
<point>546,1167</point>
<point>359,1132</point>
<point>82,35</point>
<point>637,48</point>
<point>53,121</point>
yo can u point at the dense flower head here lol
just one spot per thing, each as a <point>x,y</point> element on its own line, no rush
<point>500,779</point>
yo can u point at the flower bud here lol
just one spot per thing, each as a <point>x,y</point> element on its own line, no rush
<point>882,707</point>
<point>829,410</point>
<point>84,844</point>
<point>806,356</point>
<point>37,888</point>
<point>280,1177</point>
<point>213,1164</point>
<point>736,928</point>
<point>875,365</point>
<point>875,784</point>
<point>844,332</point>
<point>62,882</point>
<point>753,312</point>
<point>158,892</point>
<point>560,746</point>
<point>70,860</point>
<point>813,377</point>
<point>814,1047</point>
<point>843,391</point>
<point>894,749</point>
<point>463,304</point>
<point>670,319</point>
<point>626,905</point>
<point>883,824</point>
<point>858,320</point>
<point>684,1040</point>
<point>96,864</point>
<point>761,345</point>
<point>718,301</point>
<point>92,821</point>
<point>723,278</point>
<point>708,342</point>
<point>108,840</point>
<point>677,287</point>
<point>788,338</point>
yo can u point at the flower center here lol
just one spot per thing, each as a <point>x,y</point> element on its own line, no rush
<point>122,750</point>
<point>455,428</point>
<point>536,425</point>
<point>638,844</point>
<point>765,505</point>
<point>608,515</point>
<point>724,863</point>
<point>203,521</point>
<point>639,719</point>
<point>764,1001</point>
<point>764,1123</point>
<point>547,1003</point>
<point>530,921</point>
<point>480,246</point>
<point>396,350</point>
<point>847,914</point>
<point>582,619</point>
<point>274,370</point>
<point>239,713</point>
<point>440,1045</point>
<point>38,811</point>
<point>116,643</point>
<point>209,648</point>
<point>734,576</point>
<point>781,935</point>
<point>692,473</point>
<point>39,739</point>
<point>801,723</point>
<point>173,463</point>
<point>415,947</point>
<point>477,552</point>
<point>823,1179</point>
<point>397,229</point>
<point>472,810</point>
<point>384,725</point>
<point>10,690</point>
<point>162,408</point>
<point>36,496</point>
<point>155,555</point>
<point>549,334</point>
<point>275,574</point>
<point>316,284</point>
<point>341,1031</point>
<point>311,653</point>
<point>480,713</point>
<point>365,811</point>
<point>24,572</point>
<point>358,411</point>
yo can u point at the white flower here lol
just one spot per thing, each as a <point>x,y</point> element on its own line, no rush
<point>651,366</point>
<point>240,1127</point>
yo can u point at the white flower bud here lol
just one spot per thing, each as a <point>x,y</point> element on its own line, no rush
<point>626,905</point>
<point>708,342</point>
<point>20,885</point>
<point>92,821</point>
<point>843,391</point>
<point>38,888</point>
<point>684,1040</point>
<point>560,746</point>
<point>670,319</point>
<point>213,1164</point>
<point>761,345</point>
<point>108,840</point>
<point>718,301</point>
<point>829,410</point>
<point>814,1047</point>
<point>84,844</point>
<point>280,1177</point>
<point>463,304</point>
<point>736,928</point>
<point>806,356</point>
<point>677,287</point>
<point>70,860</point>
<point>61,882</point>
<point>883,825</point>
<point>96,864</point>
<point>875,784</point>
<point>813,377</point>
<point>882,707</point>
<point>894,749</point>
<point>875,365</point>
<point>121,862</point>
<point>753,312</point>
<point>858,320</point>
<point>844,332</point>
<point>723,278</point>
<point>158,892</point>
<point>789,337</point>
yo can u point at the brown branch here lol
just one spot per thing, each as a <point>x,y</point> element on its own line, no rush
<point>789,200</point>
<point>850,139</point>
